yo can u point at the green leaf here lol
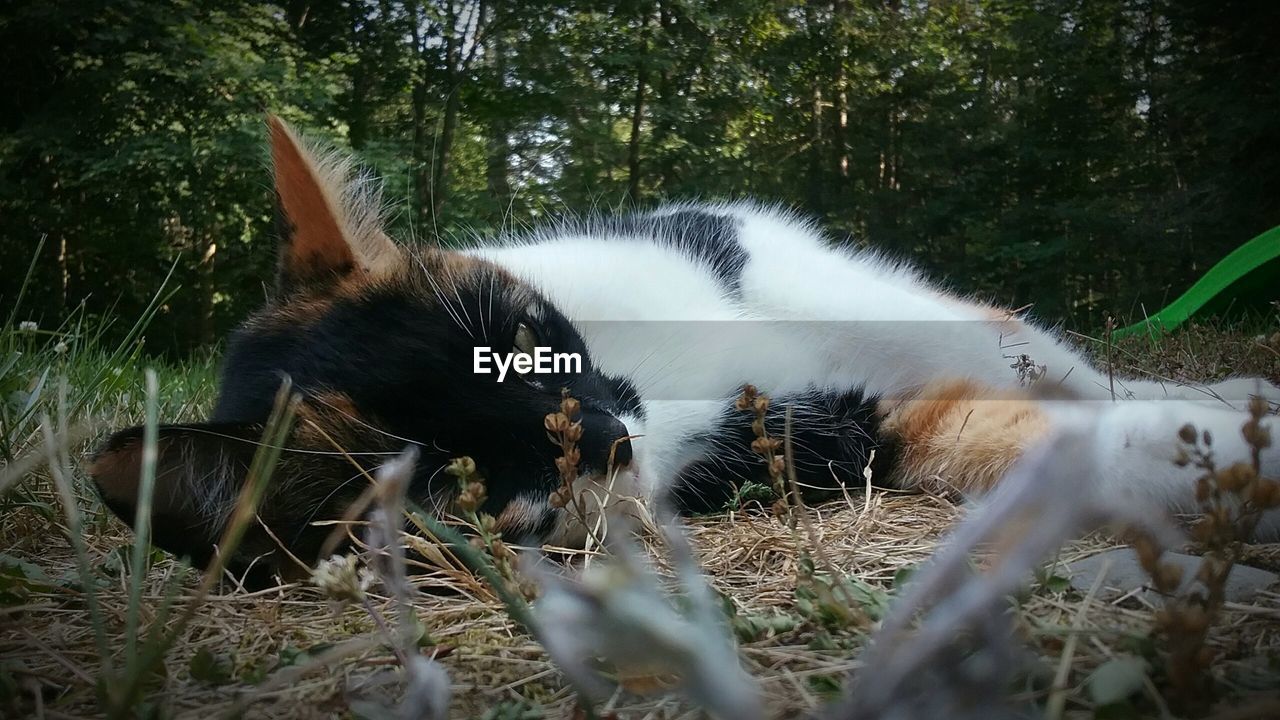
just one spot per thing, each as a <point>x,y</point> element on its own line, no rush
<point>1117,679</point>
<point>18,579</point>
<point>828,686</point>
<point>290,655</point>
<point>903,575</point>
<point>210,668</point>
<point>1056,583</point>
<point>514,710</point>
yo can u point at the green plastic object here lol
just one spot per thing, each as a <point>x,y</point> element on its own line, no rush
<point>1251,272</point>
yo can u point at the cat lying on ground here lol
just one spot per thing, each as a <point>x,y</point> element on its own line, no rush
<point>668,315</point>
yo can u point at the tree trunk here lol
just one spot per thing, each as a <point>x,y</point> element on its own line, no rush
<point>421,168</point>
<point>206,330</point>
<point>358,107</point>
<point>444,148</point>
<point>817,146</point>
<point>840,11</point>
<point>64,275</point>
<point>633,147</point>
<point>816,153</point>
<point>455,69</point>
<point>663,104</point>
<point>497,172</point>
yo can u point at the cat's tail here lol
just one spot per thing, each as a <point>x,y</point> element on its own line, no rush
<point>962,436</point>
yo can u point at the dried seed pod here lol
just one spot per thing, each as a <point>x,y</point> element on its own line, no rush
<point>1265,493</point>
<point>778,465</point>
<point>461,467</point>
<point>1208,570</point>
<point>1148,553</point>
<point>1257,406</point>
<point>501,551</point>
<point>764,445</point>
<point>558,499</point>
<point>557,422</point>
<point>467,502</point>
<point>1236,476</point>
<point>1203,529</point>
<point>570,407</point>
<point>1203,489</point>
<point>1257,435</point>
<point>1167,577</point>
<point>1195,619</point>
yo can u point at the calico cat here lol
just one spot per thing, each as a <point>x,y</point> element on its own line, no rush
<point>671,313</point>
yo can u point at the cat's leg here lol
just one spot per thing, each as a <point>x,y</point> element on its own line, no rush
<point>961,436</point>
<point>1138,449</point>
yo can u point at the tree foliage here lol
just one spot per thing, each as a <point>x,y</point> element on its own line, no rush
<point>1091,156</point>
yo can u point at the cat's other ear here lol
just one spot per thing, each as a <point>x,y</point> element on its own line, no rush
<point>329,223</point>
<point>199,472</point>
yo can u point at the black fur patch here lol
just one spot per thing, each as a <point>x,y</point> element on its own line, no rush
<point>406,364</point>
<point>626,396</point>
<point>709,238</point>
<point>832,436</point>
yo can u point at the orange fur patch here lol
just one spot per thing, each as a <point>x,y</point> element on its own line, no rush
<point>318,244</point>
<point>326,418</point>
<point>959,435</point>
<point>118,472</point>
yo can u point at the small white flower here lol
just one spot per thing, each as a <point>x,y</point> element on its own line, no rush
<point>28,326</point>
<point>60,348</point>
<point>115,372</point>
<point>339,578</point>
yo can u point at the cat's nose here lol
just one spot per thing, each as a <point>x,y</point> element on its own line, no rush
<point>622,451</point>
<point>604,434</point>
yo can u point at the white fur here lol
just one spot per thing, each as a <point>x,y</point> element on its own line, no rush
<point>842,320</point>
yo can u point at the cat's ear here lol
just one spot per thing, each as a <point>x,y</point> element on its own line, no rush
<point>199,472</point>
<point>328,221</point>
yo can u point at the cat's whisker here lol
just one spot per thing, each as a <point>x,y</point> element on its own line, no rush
<point>366,474</point>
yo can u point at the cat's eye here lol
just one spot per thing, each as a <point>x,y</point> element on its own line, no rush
<point>526,340</point>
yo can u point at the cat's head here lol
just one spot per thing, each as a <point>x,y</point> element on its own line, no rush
<point>380,342</point>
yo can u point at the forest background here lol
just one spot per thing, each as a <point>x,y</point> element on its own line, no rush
<point>1092,157</point>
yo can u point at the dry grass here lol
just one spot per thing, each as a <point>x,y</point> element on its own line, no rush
<point>287,652</point>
